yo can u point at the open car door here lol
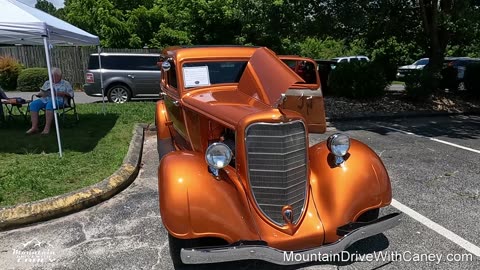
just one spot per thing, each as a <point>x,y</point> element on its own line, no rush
<point>306,98</point>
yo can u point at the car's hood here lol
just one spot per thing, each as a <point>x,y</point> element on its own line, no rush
<point>412,67</point>
<point>266,77</point>
<point>227,107</point>
<point>262,83</point>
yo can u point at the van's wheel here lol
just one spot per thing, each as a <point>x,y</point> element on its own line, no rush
<point>176,246</point>
<point>119,94</point>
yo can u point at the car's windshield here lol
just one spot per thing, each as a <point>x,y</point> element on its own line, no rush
<point>422,62</point>
<point>197,74</point>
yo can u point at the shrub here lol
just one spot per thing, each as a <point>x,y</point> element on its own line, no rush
<point>391,54</point>
<point>472,79</point>
<point>358,80</point>
<point>31,79</point>
<point>418,84</point>
<point>9,70</point>
<point>325,48</point>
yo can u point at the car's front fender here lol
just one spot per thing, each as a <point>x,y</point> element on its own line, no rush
<point>161,120</point>
<point>194,204</point>
<point>342,193</point>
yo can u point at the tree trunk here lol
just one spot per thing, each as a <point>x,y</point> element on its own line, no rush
<point>437,40</point>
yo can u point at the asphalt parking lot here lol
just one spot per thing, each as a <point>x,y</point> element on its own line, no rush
<point>434,167</point>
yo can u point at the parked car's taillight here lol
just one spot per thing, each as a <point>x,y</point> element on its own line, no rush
<point>89,78</point>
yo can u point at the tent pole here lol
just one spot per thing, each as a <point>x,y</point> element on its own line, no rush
<point>52,93</point>
<point>101,78</point>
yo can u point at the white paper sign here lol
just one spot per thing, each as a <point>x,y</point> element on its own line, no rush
<point>196,76</point>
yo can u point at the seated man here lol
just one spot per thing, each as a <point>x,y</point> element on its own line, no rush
<point>62,89</point>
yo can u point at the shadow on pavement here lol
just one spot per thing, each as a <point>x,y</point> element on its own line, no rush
<point>460,127</point>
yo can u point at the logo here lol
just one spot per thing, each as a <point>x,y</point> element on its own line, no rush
<point>34,251</point>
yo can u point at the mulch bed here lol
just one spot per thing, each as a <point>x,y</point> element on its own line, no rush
<point>398,102</point>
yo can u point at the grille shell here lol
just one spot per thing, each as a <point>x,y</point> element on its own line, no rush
<point>277,167</point>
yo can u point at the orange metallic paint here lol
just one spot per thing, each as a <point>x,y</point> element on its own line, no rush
<point>161,120</point>
<point>336,196</point>
<point>312,86</point>
<point>194,204</point>
<point>266,77</point>
<point>344,192</point>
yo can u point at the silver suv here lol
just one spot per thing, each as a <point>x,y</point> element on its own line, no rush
<point>125,75</point>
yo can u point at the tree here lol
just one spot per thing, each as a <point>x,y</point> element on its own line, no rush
<point>441,19</point>
<point>46,6</point>
<point>100,18</point>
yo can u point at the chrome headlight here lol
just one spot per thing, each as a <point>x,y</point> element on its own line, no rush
<point>218,155</point>
<point>338,144</point>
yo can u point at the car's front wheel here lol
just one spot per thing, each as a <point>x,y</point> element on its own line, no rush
<point>176,245</point>
<point>119,94</point>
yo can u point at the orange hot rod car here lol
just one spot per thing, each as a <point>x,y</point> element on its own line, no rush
<point>237,178</point>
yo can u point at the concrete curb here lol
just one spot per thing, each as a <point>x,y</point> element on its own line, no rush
<point>386,116</point>
<point>61,205</point>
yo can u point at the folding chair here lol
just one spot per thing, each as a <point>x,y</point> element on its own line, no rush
<point>12,105</point>
<point>68,106</point>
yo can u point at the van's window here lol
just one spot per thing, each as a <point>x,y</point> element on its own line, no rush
<point>93,62</point>
<point>222,71</point>
<point>125,62</point>
<point>363,59</point>
<point>354,59</point>
<point>343,60</point>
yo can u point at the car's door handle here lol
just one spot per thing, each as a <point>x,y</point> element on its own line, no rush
<point>176,103</point>
<point>131,76</point>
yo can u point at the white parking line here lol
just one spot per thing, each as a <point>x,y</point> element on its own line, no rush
<point>468,246</point>
<point>433,139</point>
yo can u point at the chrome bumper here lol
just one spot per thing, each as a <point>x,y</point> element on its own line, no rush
<point>276,256</point>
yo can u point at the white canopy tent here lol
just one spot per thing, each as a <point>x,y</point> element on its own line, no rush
<point>22,24</point>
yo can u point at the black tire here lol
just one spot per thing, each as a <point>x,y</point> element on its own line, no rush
<point>164,146</point>
<point>368,216</point>
<point>119,93</point>
<point>176,246</point>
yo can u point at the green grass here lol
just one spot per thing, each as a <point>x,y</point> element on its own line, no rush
<point>31,169</point>
<point>398,82</point>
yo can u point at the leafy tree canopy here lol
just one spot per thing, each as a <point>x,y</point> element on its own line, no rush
<point>393,31</point>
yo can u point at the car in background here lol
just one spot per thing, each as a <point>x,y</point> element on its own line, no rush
<point>403,71</point>
<point>453,72</point>
<point>125,75</point>
<point>351,59</point>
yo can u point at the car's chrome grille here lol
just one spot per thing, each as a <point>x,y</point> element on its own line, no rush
<point>277,167</point>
